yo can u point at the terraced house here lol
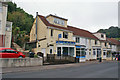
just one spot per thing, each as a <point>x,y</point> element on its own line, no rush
<point>51,35</point>
<point>106,48</point>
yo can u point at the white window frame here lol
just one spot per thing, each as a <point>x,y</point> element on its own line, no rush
<point>65,34</point>
<point>77,39</point>
<point>59,21</point>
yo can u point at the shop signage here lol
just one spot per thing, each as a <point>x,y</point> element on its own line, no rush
<point>80,56</point>
<point>65,42</point>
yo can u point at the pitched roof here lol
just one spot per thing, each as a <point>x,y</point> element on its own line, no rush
<point>76,31</point>
<point>48,24</point>
<point>114,41</point>
<point>81,32</point>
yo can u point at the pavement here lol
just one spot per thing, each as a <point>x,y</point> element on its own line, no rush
<point>46,67</point>
<point>90,69</point>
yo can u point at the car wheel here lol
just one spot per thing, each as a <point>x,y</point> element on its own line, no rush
<point>20,57</point>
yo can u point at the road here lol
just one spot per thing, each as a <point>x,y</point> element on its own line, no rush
<point>98,70</point>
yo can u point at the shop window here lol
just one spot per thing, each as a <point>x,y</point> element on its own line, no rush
<point>77,39</point>
<point>51,32</point>
<point>77,51</point>
<point>80,52</point>
<point>71,51</point>
<point>65,51</point>
<point>65,35</point>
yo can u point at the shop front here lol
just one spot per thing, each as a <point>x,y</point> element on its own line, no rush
<point>65,48</point>
<point>81,53</point>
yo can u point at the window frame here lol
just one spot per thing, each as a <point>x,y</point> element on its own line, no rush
<point>59,21</point>
<point>95,42</point>
<point>102,36</point>
<point>51,33</point>
<point>77,40</point>
<point>65,35</point>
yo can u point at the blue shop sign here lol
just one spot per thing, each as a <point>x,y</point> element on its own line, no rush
<point>80,56</point>
<point>65,42</point>
<point>78,46</point>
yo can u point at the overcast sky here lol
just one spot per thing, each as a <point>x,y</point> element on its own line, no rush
<point>90,15</point>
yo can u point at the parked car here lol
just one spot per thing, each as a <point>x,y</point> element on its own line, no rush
<point>10,53</point>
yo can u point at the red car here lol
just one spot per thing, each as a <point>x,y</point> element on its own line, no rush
<point>10,53</point>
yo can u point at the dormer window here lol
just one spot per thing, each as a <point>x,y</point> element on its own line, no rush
<point>102,36</point>
<point>58,21</point>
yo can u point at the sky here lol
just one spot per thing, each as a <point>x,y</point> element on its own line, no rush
<point>90,15</point>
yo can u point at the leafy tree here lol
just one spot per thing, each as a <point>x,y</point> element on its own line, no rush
<point>112,32</point>
<point>22,23</point>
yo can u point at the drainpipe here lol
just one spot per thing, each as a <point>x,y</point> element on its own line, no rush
<point>36,24</point>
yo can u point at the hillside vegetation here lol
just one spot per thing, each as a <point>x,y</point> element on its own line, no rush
<point>22,23</point>
<point>112,32</point>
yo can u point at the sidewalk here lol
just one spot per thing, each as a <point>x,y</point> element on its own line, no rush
<point>46,67</point>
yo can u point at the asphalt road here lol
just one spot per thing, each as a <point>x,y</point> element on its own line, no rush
<point>98,70</point>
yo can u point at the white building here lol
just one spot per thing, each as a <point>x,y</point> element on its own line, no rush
<point>5,33</point>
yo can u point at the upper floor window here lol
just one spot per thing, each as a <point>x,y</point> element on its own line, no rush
<point>95,42</point>
<point>65,35</point>
<point>110,45</point>
<point>102,36</point>
<point>59,21</point>
<point>77,39</point>
<point>105,44</point>
<point>51,32</point>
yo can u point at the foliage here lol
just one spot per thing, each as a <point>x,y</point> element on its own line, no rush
<point>22,23</point>
<point>112,32</point>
